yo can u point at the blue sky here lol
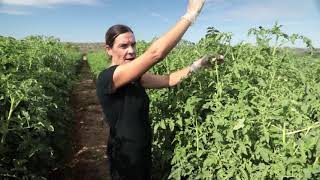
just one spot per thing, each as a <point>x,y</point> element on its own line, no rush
<point>87,20</point>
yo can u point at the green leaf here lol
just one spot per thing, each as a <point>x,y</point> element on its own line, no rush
<point>171,125</point>
<point>239,125</point>
<point>163,124</point>
<point>51,128</point>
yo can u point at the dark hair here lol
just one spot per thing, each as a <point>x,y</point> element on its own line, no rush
<point>114,31</point>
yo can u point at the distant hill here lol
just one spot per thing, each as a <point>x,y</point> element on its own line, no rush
<point>304,51</point>
<point>87,47</point>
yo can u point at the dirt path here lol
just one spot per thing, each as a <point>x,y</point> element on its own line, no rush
<point>88,160</point>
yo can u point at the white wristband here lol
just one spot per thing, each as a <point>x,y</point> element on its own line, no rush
<point>190,16</point>
<point>194,67</point>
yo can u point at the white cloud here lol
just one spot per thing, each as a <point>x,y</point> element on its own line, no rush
<point>266,10</point>
<point>160,16</point>
<point>43,3</point>
<point>13,11</point>
<point>238,16</point>
<point>252,10</point>
<point>23,7</point>
<point>214,1</point>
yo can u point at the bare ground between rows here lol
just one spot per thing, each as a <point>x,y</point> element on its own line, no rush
<point>88,159</point>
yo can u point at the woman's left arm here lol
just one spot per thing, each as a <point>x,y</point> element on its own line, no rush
<point>152,81</point>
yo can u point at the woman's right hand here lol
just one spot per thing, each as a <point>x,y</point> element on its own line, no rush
<point>195,6</point>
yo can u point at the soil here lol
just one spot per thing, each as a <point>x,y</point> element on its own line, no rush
<point>88,159</point>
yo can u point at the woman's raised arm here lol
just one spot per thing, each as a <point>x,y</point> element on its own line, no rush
<point>127,72</point>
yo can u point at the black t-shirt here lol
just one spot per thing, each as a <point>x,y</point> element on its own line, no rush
<point>127,113</point>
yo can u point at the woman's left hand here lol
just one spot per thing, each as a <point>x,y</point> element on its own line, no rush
<point>206,61</point>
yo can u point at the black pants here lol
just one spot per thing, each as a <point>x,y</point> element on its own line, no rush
<point>129,162</point>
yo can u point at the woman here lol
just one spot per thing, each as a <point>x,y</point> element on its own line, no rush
<point>121,92</point>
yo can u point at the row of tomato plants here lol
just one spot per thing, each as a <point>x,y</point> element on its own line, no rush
<point>36,74</point>
<point>257,116</point>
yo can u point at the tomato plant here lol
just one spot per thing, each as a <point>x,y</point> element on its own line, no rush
<point>257,116</point>
<point>36,74</point>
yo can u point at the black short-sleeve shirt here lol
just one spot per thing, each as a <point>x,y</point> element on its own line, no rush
<point>127,113</point>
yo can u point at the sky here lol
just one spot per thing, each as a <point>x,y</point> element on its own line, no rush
<point>88,20</point>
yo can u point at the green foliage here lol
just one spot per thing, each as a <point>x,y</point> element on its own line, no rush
<point>254,117</point>
<point>98,61</point>
<point>35,76</point>
<point>257,116</point>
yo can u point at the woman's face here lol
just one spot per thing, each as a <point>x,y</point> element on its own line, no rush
<point>124,48</point>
